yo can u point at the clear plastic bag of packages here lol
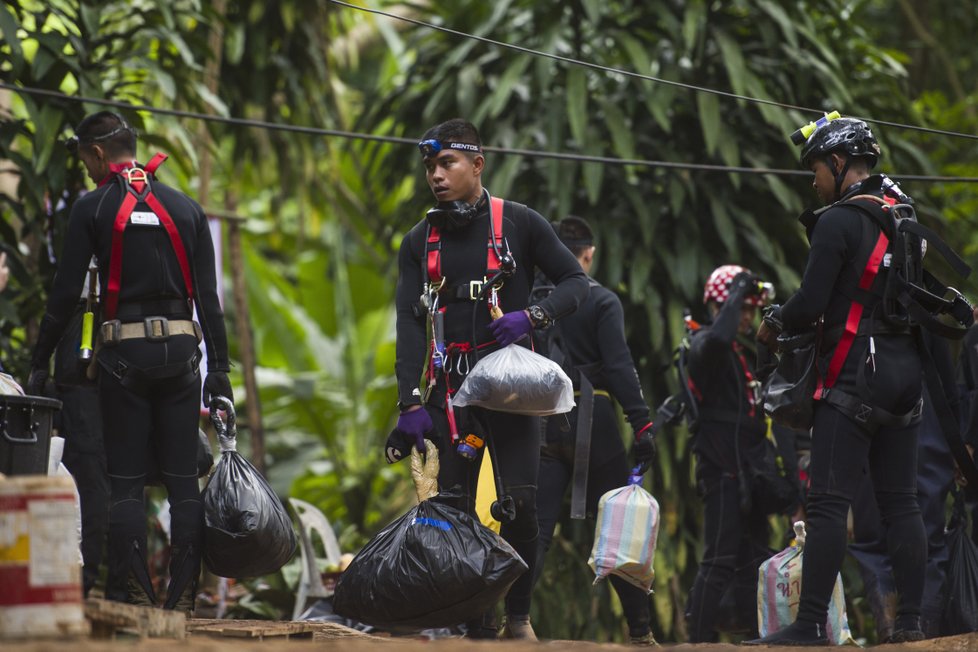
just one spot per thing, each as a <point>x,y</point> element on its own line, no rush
<point>515,379</point>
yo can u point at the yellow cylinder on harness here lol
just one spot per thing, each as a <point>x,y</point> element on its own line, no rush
<point>85,347</point>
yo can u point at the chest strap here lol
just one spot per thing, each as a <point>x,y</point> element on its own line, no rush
<point>495,243</point>
<point>137,188</point>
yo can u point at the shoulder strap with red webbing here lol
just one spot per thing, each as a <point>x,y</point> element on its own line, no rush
<point>137,187</point>
<point>855,308</point>
<point>495,243</point>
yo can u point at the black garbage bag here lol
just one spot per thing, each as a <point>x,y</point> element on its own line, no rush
<point>961,583</point>
<point>436,566</point>
<point>789,394</point>
<point>247,531</point>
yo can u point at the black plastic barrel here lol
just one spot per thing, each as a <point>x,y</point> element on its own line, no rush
<point>25,433</point>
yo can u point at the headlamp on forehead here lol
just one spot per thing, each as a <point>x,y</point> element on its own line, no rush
<point>75,142</point>
<point>433,147</point>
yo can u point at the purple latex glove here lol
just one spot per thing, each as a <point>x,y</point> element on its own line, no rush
<point>413,424</point>
<point>511,327</point>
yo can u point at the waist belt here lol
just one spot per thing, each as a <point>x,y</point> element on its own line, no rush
<point>870,416</point>
<point>462,292</point>
<point>718,415</point>
<point>137,310</point>
<point>153,329</point>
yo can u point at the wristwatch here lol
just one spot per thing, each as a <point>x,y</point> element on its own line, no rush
<point>538,317</point>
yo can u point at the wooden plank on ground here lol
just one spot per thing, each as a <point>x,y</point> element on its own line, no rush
<point>109,617</point>
<point>258,629</point>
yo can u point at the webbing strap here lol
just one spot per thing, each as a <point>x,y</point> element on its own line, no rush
<point>115,258</point>
<point>496,215</point>
<point>852,320</point>
<point>134,189</point>
<point>495,242</point>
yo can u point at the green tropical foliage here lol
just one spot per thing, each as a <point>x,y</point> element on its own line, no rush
<point>322,217</point>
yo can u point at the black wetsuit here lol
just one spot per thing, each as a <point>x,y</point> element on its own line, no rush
<point>593,343</point>
<point>160,418</point>
<point>515,438</point>
<point>842,238</point>
<point>731,425</point>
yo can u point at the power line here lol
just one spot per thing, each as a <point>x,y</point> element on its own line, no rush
<point>351,135</point>
<point>636,75</point>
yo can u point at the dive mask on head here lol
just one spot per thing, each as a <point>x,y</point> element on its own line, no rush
<point>451,215</point>
<point>73,143</point>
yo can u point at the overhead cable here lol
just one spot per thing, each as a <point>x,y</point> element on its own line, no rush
<point>319,131</point>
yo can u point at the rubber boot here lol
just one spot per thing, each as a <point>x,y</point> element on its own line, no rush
<point>906,629</point>
<point>187,519</point>
<point>128,577</point>
<point>518,628</point>
<point>484,628</point>
<point>181,594</point>
<point>797,634</point>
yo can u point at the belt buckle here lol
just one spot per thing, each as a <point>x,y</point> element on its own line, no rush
<point>475,287</point>
<point>111,332</point>
<point>156,329</point>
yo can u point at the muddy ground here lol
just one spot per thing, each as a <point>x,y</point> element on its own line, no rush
<point>326,641</point>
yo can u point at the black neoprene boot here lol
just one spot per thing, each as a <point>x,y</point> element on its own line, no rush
<point>797,634</point>
<point>905,629</point>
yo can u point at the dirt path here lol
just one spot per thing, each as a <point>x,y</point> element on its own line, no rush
<point>353,643</point>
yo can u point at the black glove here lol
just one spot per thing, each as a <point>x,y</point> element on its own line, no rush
<point>643,448</point>
<point>37,380</point>
<point>771,315</point>
<point>217,383</point>
<point>398,446</point>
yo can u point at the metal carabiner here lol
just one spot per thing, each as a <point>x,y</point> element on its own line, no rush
<point>463,357</point>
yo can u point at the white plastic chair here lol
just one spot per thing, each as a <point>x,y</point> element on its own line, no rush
<point>311,520</point>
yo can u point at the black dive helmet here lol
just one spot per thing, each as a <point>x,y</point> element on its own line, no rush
<point>832,133</point>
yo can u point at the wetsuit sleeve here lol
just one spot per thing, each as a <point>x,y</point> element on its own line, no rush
<point>78,250</point>
<point>618,366</point>
<point>716,340</point>
<point>825,261</point>
<point>558,264</point>
<point>411,334</point>
<point>940,353</point>
<point>209,310</point>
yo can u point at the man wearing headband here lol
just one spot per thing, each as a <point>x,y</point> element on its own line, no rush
<point>590,345</point>
<point>472,259</point>
<point>155,264</point>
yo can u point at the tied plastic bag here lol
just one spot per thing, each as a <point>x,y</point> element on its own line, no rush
<point>961,586</point>
<point>247,531</point>
<point>433,567</point>
<point>625,535</point>
<point>779,591</point>
<point>515,379</point>
<point>789,395</point>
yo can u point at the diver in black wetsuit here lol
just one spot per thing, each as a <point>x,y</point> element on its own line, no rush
<point>871,363</point>
<point>156,261</point>
<point>446,259</point>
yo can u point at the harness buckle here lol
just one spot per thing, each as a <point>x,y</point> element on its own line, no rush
<point>135,174</point>
<point>475,288</point>
<point>157,329</point>
<point>120,370</point>
<point>111,332</point>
